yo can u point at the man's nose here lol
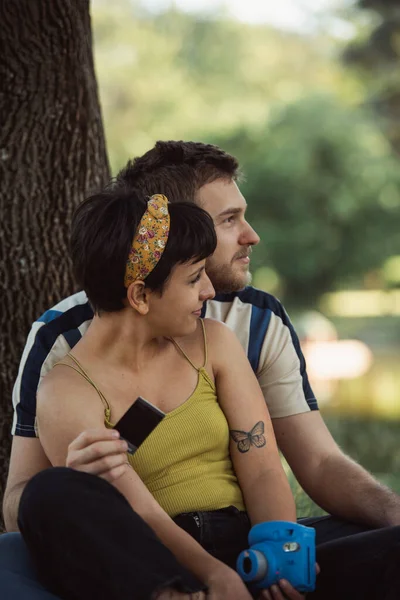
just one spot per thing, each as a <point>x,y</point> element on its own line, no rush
<point>249,237</point>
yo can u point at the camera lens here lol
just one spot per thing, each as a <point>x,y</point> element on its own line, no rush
<point>247,565</point>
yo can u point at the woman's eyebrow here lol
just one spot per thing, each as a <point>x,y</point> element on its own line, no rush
<point>197,271</point>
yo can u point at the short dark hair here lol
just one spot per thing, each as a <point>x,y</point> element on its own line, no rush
<point>178,169</point>
<point>102,230</point>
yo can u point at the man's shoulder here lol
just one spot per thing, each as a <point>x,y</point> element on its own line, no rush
<point>65,319</point>
<point>72,306</point>
<point>248,313</point>
<point>250,297</point>
<point>51,337</point>
<point>263,327</point>
<point>68,314</point>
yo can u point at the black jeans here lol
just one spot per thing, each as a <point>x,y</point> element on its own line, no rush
<point>223,533</point>
<point>87,542</point>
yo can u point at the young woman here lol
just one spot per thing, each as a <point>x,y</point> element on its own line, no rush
<point>208,471</point>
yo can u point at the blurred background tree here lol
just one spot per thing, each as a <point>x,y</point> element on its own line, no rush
<point>375,53</point>
<point>323,188</point>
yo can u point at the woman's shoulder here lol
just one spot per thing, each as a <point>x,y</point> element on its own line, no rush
<point>62,385</point>
<point>56,378</point>
<point>216,331</point>
<point>222,343</point>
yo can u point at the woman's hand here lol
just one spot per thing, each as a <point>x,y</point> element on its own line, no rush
<point>225,584</point>
<point>99,452</point>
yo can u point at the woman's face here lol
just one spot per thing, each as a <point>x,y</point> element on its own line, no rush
<point>176,311</point>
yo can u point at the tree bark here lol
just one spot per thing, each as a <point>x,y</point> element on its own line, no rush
<point>52,152</point>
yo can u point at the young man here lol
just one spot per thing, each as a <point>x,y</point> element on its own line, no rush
<point>206,175</point>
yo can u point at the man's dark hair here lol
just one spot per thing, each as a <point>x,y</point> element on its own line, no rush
<point>177,169</point>
<point>102,231</point>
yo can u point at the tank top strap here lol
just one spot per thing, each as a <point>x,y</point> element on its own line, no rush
<point>79,369</point>
<point>181,350</point>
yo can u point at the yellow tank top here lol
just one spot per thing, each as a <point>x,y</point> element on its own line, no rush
<point>185,461</point>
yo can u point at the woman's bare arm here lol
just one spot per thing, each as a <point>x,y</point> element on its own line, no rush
<point>253,448</point>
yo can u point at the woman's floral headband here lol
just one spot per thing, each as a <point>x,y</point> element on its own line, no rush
<point>150,240</point>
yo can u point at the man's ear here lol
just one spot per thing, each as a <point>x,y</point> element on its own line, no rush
<point>138,296</point>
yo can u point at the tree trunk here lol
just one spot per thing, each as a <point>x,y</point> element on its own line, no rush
<point>52,152</point>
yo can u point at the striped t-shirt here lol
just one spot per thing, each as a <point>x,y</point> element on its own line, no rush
<point>258,319</point>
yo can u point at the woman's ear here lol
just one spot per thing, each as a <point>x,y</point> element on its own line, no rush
<point>138,297</point>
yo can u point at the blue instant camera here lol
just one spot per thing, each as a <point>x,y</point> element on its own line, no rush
<point>279,550</point>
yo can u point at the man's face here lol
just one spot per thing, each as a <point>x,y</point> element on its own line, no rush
<point>228,267</point>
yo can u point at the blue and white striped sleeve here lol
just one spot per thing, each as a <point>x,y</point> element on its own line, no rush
<point>51,337</point>
<point>282,371</point>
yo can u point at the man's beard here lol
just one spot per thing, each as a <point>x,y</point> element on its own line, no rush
<point>225,279</point>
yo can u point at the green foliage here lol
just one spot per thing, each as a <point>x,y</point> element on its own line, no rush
<point>376,57</point>
<point>372,443</point>
<point>324,192</point>
<point>322,186</point>
<point>178,76</point>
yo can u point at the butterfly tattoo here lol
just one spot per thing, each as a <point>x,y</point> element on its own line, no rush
<point>245,439</point>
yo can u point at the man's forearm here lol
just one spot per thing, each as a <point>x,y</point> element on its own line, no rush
<point>11,505</point>
<point>344,488</point>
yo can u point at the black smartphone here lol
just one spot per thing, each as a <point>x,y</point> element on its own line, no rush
<point>138,422</point>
